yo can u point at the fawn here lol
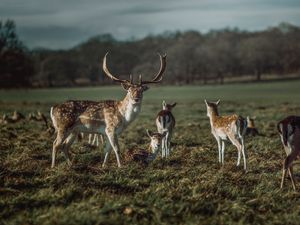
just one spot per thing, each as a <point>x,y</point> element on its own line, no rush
<point>146,156</point>
<point>251,129</point>
<point>232,127</point>
<point>165,122</point>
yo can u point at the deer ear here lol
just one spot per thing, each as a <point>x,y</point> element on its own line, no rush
<point>205,102</point>
<point>174,104</point>
<point>149,133</point>
<point>218,102</point>
<point>125,86</point>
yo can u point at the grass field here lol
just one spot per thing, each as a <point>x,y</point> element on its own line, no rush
<point>188,188</point>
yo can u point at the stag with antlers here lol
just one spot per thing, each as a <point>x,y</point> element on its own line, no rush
<point>108,117</point>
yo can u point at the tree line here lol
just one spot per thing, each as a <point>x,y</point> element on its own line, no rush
<point>193,58</point>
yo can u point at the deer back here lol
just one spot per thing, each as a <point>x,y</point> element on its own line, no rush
<point>165,119</point>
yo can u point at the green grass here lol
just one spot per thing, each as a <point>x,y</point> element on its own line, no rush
<point>189,188</point>
<point>268,91</point>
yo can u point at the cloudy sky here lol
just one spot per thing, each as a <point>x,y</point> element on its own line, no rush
<point>65,23</point>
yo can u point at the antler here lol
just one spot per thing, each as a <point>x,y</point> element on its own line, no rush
<point>106,71</point>
<point>158,76</point>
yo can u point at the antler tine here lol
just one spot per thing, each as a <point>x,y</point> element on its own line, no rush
<point>158,76</point>
<point>140,79</point>
<point>130,79</point>
<point>106,71</point>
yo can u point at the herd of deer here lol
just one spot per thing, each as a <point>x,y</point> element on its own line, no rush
<point>107,119</point>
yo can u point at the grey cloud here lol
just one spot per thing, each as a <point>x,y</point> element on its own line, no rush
<point>62,24</point>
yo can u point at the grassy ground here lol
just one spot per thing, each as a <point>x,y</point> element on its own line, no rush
<point>189,188</point>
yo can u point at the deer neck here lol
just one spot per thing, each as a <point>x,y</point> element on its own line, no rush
<point>128,109</point>
<point>213,117</point>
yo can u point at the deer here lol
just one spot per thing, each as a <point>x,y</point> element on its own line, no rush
<point>146,156</point>
<point>251,129</point>
<point>38,117</point>
<point>16,117</point>
<point>108,117</point>
<point>232,127</point>
<point>289,131</point>
<point>165,122</point>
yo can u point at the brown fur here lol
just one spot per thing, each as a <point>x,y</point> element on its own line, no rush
<point>289,130</point>
<point>165,121</point>
<point>108,117</point>
<point>232,127</point>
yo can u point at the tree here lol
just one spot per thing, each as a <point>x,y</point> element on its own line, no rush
<point>16,66</point>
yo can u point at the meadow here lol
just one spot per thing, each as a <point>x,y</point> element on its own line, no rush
<point>190,187</point>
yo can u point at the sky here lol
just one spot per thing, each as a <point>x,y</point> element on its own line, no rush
<point>62,24</point>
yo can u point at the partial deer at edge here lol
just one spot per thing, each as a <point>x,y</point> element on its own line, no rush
<point>289,131</point>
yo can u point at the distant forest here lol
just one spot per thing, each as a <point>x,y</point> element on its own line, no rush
<point>218,56</point>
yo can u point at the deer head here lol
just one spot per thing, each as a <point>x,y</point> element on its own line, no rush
<point>168,107</point>
<point>156,139</point>
<point>135,90</point>
<point>212,107</point>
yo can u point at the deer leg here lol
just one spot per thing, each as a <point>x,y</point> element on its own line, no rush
<point>163,148</point>
<point>96,139</point>
<point>243,153</point>
<point>114,144</point>
<point>237,143</point>
<point>68,142</point>
<point>101,139</point>
<point>283,177</point>
<point>219,147</point>
<point>288,166</point>
<point>168,144</point>
<point>107,151</point>
<point>222,150</point>
<point>54,150</point>
<point>238,159</point>
<point>169,140</point>
<point>292,177</point>
<point>90,139</point>
<point>57,144</point>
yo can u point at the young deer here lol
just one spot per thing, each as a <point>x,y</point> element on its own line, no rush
<point>16,117</point>
<point>38,117</point>
<point>108,117</point>
<point>289,131</point>
<point>165,122</point>
<point>251,129</point>
<point>146,156</point>
<point>231,127</point>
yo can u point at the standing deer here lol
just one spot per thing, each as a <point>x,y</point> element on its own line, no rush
<point>251,129</point>
<point>232,127</point>
<point>165,122</point>
<point>108,117</point>
<point>289,131</point>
